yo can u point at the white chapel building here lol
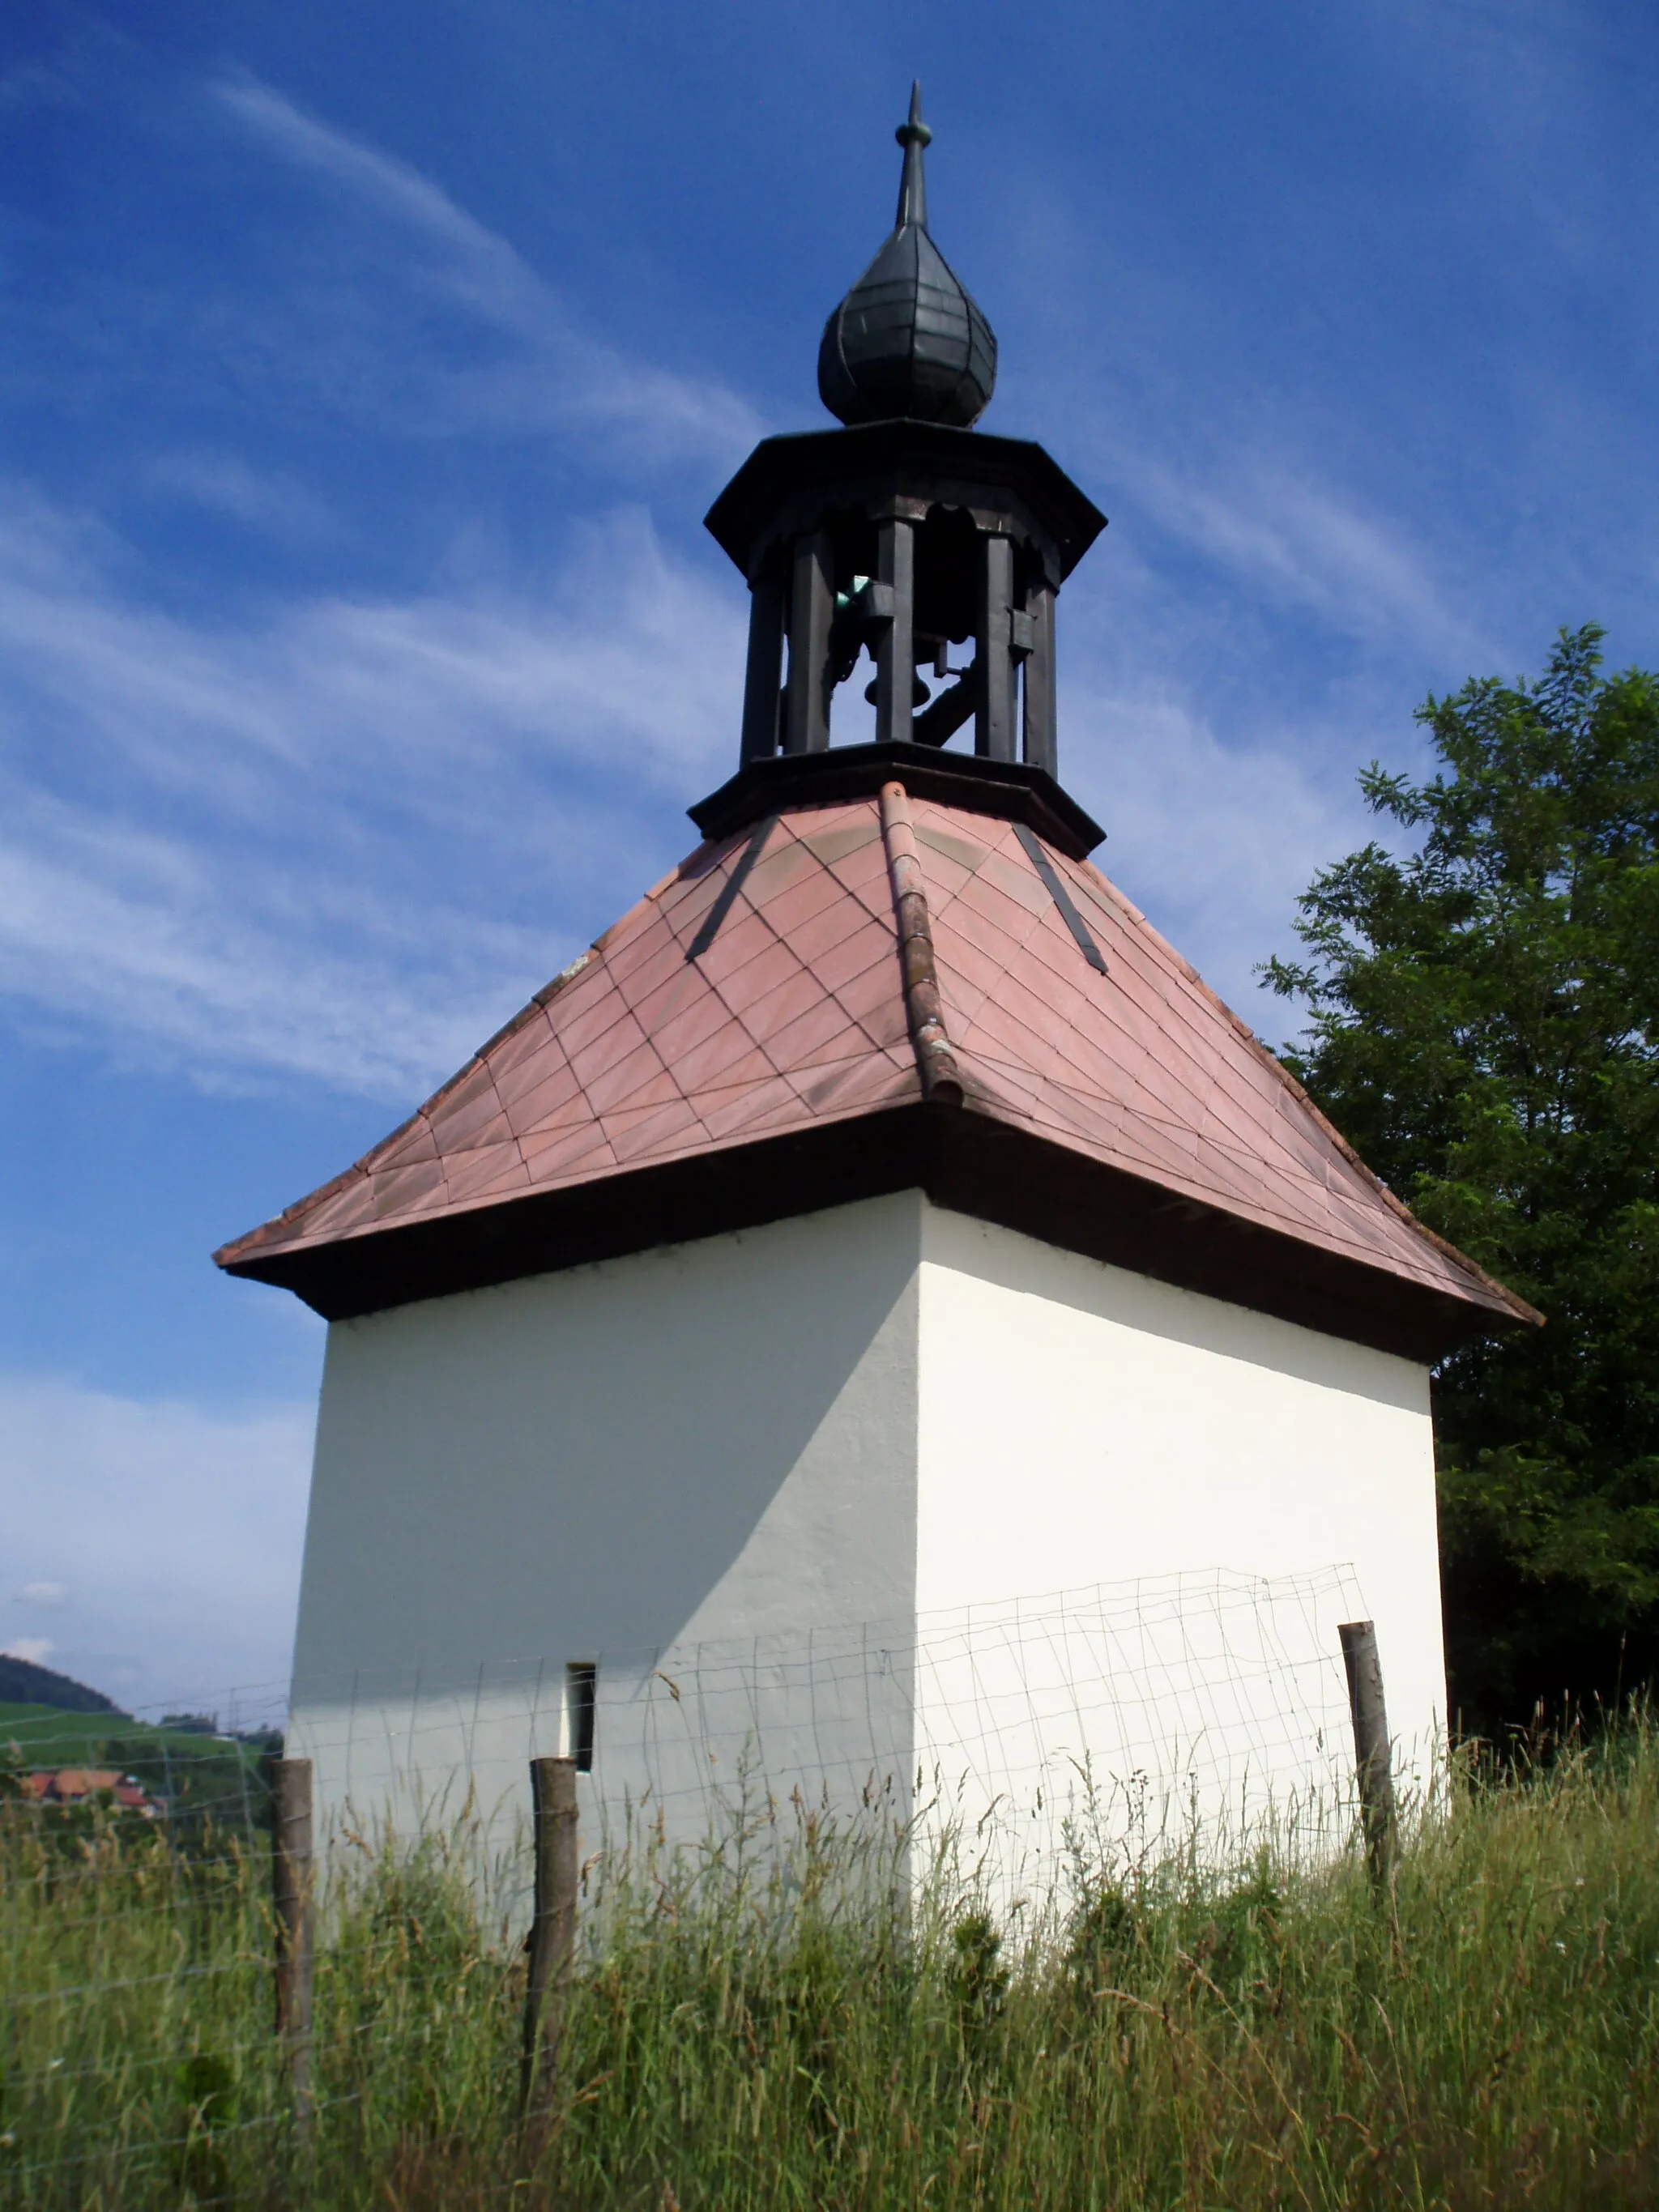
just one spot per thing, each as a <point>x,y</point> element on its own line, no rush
<point>875,1320</point>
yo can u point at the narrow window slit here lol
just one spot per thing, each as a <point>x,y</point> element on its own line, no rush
<point>580,1682</point>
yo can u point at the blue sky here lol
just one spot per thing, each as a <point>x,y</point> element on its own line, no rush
<point>367,373</point>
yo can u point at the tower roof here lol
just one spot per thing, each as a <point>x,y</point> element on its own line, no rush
<point>755,1039</point>
<point>908,339</point>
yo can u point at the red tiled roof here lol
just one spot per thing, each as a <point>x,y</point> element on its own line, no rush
<point>795,1017</point>
<point>69,1784</point>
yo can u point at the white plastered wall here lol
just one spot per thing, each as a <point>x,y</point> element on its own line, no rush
<point>1084,1426</point>
<point>693,1466</point>
<point>827,1500</point>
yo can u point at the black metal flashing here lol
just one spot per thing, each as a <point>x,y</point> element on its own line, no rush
<point>1073,921</point>
<point>734,883</point>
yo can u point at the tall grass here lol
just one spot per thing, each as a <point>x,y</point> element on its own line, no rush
<point>774,2026</point>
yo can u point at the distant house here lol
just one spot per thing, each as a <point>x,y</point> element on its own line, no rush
<point>75,1785</point>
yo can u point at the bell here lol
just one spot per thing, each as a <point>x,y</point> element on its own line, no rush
<point>920,694</point>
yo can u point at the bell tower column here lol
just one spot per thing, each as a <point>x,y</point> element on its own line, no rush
<point>1041,732</point>
<point>812,607</point>
<point>763,677</point>
<point>993,716</point>
<point>896,658</point>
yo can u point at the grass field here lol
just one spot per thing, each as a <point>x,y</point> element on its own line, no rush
<point>744,2035</point>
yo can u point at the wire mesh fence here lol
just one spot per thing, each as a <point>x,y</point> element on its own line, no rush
<point>1019,1742</point>
<point>1215,1700</point>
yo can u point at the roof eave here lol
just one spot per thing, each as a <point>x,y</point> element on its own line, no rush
<point>967,1161</point>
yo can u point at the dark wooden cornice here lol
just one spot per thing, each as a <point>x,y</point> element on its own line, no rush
<point>961,1159</point>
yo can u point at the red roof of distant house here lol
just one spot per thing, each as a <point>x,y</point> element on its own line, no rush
<point>71,1782</point>
<point>71,1785</point>
<point>647,1095</point>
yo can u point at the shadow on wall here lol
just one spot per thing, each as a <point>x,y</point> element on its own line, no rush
<point>715,1440</point>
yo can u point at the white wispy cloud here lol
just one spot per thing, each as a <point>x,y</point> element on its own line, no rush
<point>1212,839</point>
<point>340,839</point>
<point>555,373</point>
<point>270,500</point>
<point>1294,536</point>
<point>173,1531</point>
<point>1249,483</point>
<point>1255,625</point>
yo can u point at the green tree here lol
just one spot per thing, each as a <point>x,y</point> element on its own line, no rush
<point>1484,1028</point>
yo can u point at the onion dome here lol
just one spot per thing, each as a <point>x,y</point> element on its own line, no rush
<point>908,340</point>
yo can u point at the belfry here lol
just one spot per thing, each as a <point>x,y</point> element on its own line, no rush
<point>881,1226</point>
<point>909,536</point>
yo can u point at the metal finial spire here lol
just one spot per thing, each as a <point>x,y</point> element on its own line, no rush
<point>913,135</point>
<point>908,341</point>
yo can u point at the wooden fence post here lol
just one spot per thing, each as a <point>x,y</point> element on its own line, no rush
<point>1373,1755</point>
<point>291,1895</point>
<point>553,1930</point>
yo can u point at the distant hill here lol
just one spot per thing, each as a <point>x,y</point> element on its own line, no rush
<point>23,1683</point>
